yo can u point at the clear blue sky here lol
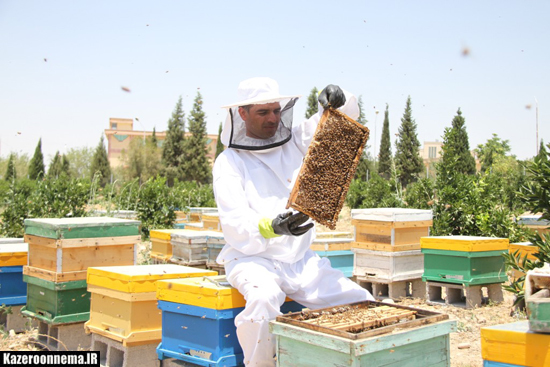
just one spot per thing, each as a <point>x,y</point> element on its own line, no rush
<point>381,50</point>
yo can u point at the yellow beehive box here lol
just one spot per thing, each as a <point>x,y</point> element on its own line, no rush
<point>390,229</point>
<point>514,344</point>
<point>464,243</point>
<point>523,249</point>
<point>123,300</point>
<point>13,254</point>
<point>211,221</point>
<point>161,244</point>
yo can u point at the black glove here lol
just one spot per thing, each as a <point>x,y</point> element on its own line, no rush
<point>289,224</point>
<point>332,96</point>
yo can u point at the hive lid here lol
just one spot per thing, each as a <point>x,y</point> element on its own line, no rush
<point>163,234</point>
<point>533,220</point>
<point>85,227</point>
<point>202,210</point>
<point>13,248</point>
<point>11,240</point>
<point>464,243</point>
<point>209,292</point>
<point>140,278</point>
<point>392,214</point>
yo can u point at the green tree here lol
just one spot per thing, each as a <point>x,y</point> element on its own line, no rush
<point>173,147</point>
<point>407,158</point>
<point>56,166</point>
<point>154,139</point>
<point>11,173</point>
<point>312,103</point>
<point>361,119</point>
<point>100,164</point>
<point>36,165</point>
<point>364,165</point>
<point>80,161</point>
<point>219,144</point>
<point>384,155</point>
<point>65,166</point>
<point>456,155</point>
<point>491,151</point>
<point>196,166</point>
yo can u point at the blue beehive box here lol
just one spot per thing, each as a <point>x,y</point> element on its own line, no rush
<point>198,323</point>
<point>13,291</point>
<point>341,260</point>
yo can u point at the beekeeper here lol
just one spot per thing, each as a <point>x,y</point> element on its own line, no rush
<point>267,255</point>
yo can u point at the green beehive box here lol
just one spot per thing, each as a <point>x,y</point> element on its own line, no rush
<point>463,267</point>
<point>57,303</point>
<point>86,227</point>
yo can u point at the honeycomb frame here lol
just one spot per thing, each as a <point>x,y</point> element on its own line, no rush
<point>328,167</point>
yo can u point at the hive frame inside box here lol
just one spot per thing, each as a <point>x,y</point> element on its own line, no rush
<point>388,266</point>
<point>316,169</point>
<point>61,260</point>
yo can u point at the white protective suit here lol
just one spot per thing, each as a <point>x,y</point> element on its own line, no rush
<point>250,185</point>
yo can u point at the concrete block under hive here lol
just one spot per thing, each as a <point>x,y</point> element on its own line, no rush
<point>198,321</point>
<point>124,303</point>
<point>61,249</point>
<point>328,168</point>
<point>361,334</point>
<point>466,260</point>
<point>390,229</point>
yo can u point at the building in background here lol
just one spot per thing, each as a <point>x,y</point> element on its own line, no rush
<point>431,154</point>
<point>121,132</point>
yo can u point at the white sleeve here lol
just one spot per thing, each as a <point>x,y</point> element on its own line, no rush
<point>238,220</point>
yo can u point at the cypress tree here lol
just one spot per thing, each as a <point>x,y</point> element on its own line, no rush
<point>364,164</point>
<point>100,164</point>
<point>407,158</point>
<point>456,155</point>
<point>384,155</point>
<point>36,165</point>
<point>11,173</point>
<point>312,103</point>
<point>361,119</point>
<point>196,166</point>
<point>219,144</point>
<point>172,149</point>
<point>54,171</point>
<point>154,139</point>
<point>65,166</point>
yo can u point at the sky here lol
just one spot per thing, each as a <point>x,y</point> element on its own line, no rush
<point>64,64</point>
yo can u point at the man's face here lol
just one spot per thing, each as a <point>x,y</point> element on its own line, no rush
<point>261,120</point>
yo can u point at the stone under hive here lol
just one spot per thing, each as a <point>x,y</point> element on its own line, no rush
<point>328,167</point>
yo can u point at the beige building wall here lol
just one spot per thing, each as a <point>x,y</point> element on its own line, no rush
<point>121,132</point>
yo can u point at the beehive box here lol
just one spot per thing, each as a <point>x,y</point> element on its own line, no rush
<point>387,336</point>
<point>390,229</point>
<point>57,303</point>
<point>194,214</point>
<point>535,223</point>
<point>161,245</point>
<point>124,303</point>
<point>190,246</point>
<point>214,243</point>
<point>198,323</point>
<point>341,260</point>
<point>514,344</point>
<point>331,244</point>
<point>388,266</point>
<point>537,299</point>
<point>467,260</point>
<point>328,167</point>
<point>61,250</point>
<point>13,290</point>
<point>523,250</point>
<point>13,253</point>
<point>211,222</point>
<point>333,234</point>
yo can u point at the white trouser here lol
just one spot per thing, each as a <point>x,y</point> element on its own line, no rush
<point>265,283</point>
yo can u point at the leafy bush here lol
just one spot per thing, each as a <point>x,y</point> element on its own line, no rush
<point>155,205</point>
<point>375,193</point>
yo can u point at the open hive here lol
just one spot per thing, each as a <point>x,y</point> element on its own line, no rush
<point>328,167</point>
<point>361,320</point>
